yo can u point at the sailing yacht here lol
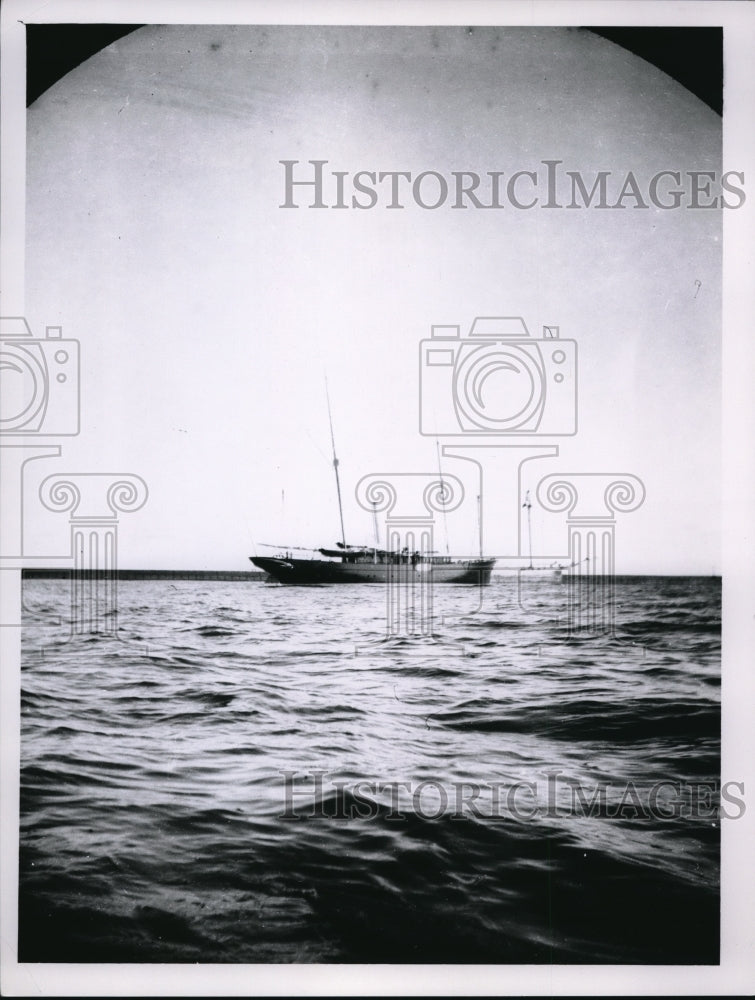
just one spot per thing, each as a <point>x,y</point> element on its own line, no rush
<point>368,564</point>
<point>554,571</point>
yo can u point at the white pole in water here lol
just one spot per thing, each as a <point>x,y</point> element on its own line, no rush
<point>335,465</point>
<point>528,504</point>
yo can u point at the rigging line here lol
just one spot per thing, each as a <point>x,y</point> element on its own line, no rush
<point>335,464</point>
<point>375,523</point>
<point>249,533</point>
<point>315,444</point>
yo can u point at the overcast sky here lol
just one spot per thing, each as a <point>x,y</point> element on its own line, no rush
<point>209,316</point>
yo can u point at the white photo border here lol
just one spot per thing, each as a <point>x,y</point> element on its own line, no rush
<point>736,971</point>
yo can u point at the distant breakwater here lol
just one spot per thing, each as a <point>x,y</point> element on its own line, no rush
<point>40,573</point>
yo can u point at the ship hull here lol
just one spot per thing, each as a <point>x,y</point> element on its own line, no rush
<point>314,571</point>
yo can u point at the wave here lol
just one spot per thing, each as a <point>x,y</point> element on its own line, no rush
<point>153,789</point>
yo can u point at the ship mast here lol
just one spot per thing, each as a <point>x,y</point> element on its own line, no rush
<point>479,520</point>
<point>440,475</point>
<point>528,505</point>
<point>335,465</point>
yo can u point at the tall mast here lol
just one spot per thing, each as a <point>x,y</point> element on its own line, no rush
<point>375,524</point>
<point>440,475</point>
<point>335,464</point>
<point>528,504</point>
<point>479,521</point>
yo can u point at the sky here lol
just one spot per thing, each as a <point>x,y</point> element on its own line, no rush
<point>209,317</point>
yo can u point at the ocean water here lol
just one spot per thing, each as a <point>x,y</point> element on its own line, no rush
<point>246,773</point>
